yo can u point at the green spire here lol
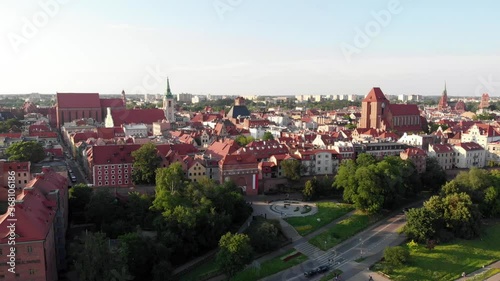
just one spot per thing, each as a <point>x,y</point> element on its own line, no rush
<point>168,93</point>
<point>445,87</point>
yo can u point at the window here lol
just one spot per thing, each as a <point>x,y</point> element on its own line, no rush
<point>112,171</point>
<point>99,173</point>
<point>113,177</point>
<point>119,182</point>
<point>106,183</point>
<point>125,165</point>
<point>126,181</point>
<point>106,172</point>
<point>113,182</point>
<point>100,178</point>
<point>112,166</point>
<point>119,176</point>
<point>24,174</point>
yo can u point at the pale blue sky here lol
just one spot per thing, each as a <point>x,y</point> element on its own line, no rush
<point>252,47</point>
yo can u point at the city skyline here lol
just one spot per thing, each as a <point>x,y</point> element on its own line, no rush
<point>249,47</point>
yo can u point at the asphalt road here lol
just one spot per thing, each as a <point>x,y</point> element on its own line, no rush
<point>369,244</point>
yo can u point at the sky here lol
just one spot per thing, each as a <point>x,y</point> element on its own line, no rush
<point>250,47</point>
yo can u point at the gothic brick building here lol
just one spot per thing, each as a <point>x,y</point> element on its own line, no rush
<point>378,113</point>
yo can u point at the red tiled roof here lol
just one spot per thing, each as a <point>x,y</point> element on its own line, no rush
<point>113,103</point>
<point>78,100</point>
<point>219,149</point>
<point>136,116</point>
<point>11,135</point>
<point>375,94</point>
<point>404,109</point>
<point>112,154</point>
<point>235,159</point>
<point>44,134</point>
<point>469,146</point>
<point>34,218</point>
<point>110,133</point>
<point>39,128</point>
<point>14,166</point>
<point>442,148</point>
<point>415,151</point>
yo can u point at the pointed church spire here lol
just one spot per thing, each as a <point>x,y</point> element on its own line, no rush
<point>168,94</point>
<point>445,87</point>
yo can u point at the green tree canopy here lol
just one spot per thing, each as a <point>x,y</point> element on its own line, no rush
<point>235,252</point>
<point>244,140</point>
<point>170,187</point>
<point>95,260</point>
<point>146,161</point>
<point>26,151</point>
<point>291,169</point>
<point>434,176</point>
<point>268,136</point>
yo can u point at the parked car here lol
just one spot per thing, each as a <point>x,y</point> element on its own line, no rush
<point>310,273</point>
<point>323,268</point>
<point>73,177</point>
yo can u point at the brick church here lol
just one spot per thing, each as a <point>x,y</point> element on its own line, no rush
<point>378,113</point>
<point>75,106</point>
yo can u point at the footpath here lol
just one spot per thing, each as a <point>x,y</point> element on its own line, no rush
<point>483,270</point>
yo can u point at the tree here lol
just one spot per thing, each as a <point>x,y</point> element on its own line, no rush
<point>309,191</point>
<point>291,169</point>
<point>146,161</point>
<point>138,253</point>
<point>95,261</point>
<point>235,252</point>
<point>268,136</point>
<point>421,224</point>
<point>106,212</point>
<point>244,140</point>
<point>266,238</point>
<point>79,198</point>
<point>434,176</point>
<point>396,256</point>
<point>26,151</point>
<point>170,186</point>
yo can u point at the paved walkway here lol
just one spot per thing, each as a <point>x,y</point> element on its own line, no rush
<point>482,270</point>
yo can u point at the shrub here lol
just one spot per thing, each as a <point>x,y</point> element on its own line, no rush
<point>396,256</point>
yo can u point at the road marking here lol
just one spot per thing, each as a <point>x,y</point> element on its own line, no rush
<point>346,260</point>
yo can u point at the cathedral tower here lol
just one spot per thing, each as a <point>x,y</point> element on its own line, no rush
<point>169,104</point>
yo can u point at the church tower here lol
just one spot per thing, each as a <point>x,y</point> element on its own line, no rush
<point>169,104</point>
<point>443,102</point>
<point>124,99</point>
<point>374,110</point>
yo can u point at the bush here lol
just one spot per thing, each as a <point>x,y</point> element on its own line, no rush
<point>396,256</point>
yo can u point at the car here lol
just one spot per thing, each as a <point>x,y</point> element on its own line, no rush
<point>310,273</point>
<point>322,269</point>
<point>69,170</point>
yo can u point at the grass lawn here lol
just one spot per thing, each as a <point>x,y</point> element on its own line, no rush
<point>269,267</point>
<point>343,230</point>
<point>327,212</point>
<point>448,261</point>
<point>202,270</point>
